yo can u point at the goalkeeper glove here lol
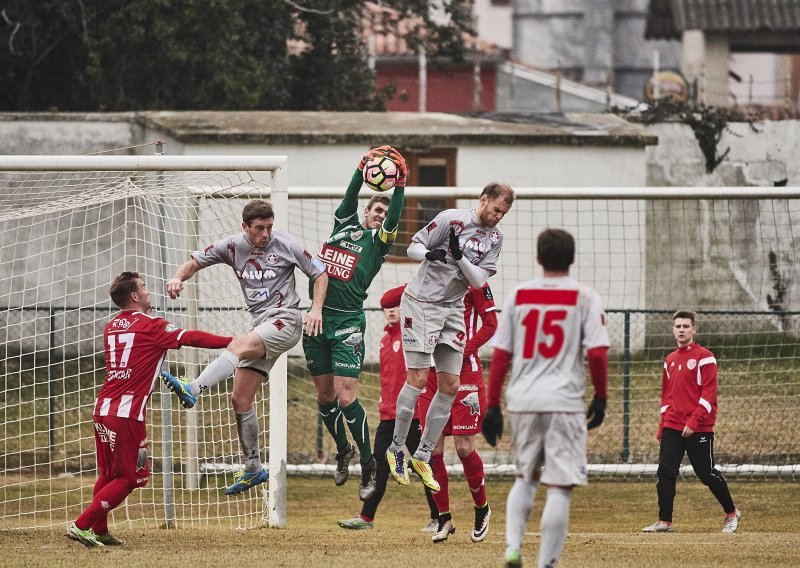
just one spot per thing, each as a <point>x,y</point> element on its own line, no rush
<point>455,246</point>
<point>374,152</point>
<point>400,162</point>
<point>437,255</point>
<point>595,413</point>
<point>493,425</point>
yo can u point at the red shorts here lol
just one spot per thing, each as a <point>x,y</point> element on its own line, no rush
<point>466,416</point>
<point>122,449</point>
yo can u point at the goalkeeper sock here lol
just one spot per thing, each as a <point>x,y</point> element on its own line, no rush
<point>435,421</point>
<point>217,371</point>
<point>357,424</point>
<point>555,519</point>
<point>441,497</point>
<point>473,473</point>
<point>247,425</point>
<point>518,511</point>
<point>406,401</point>
<point>332,418</point>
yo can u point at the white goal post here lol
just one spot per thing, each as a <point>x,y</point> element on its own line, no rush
<point>70,223</point>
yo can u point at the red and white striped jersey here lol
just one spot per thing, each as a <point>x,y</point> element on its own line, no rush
<point>546,325</point>
<point>135,346</point>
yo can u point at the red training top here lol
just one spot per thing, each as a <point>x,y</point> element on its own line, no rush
<point>689,390</point>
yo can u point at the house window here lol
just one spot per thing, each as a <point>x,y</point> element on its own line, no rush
<point>433,168</point>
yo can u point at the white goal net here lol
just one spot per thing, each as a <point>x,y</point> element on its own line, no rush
<point>69,225</point>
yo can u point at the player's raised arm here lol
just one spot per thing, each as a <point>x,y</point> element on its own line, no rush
<point>184,272</point>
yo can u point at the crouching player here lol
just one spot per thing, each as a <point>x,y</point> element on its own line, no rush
<point>135,345</point>
<point>466,417</point>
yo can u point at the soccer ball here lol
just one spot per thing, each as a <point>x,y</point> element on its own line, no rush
<point>380,173</point>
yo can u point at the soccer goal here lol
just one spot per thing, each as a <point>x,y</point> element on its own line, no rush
<point>69,224</point>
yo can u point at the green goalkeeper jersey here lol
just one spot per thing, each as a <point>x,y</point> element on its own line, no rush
<point>353,255</point>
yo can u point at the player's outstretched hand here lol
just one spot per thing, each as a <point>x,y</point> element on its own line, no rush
<point>493,425</point>
<point>379,151</point>
<point>455,246</point>
<point>174,287</point>
<point>595,413</point>
<point>438,255</point>
<point>400,161</point>
<point>314,322</point>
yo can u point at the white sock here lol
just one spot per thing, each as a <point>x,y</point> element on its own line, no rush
<point>215,372</point>
<point>555,519</point>
<point>518,511</point>
<point>406,401</point>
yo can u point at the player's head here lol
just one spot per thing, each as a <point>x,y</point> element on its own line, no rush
<point>375,211</point>
<point>128,291</point>
<point>555,250</point>
<point>684,326</point>
<point>257,220</point>
<point>392,315</point>
<point>496,200</point>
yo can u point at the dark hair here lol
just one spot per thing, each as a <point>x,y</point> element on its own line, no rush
<point>685,314</point>
<point>257,209</point>
<point>122,287</point>
<point>496,189</point>
<point>377,198</point>
<point>555,249</point>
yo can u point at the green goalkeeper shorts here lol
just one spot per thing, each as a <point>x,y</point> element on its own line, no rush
<point>339,349</point>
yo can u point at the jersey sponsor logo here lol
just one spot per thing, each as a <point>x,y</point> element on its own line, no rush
<point>120,324</point>
<point>431,226</point>
<point>691,364</point>
<point>356,342</point>
<point>356,235</point>
<point>279,324</point>
<point>408,323</point>
<point>118,375</point>
<point>257,274</point>
<point>468,388</point>
<point>272,258</point>
<point>339,263</point>
<point>479,232</point>
<point>350,246</point>
<point>255,252</point>
<point>170,328</point>
<point>475,244</point>
<point>256,293</point>
<point>457,225</point>
<point>339,365</point>
<point>409,339</point>
<point>345,331</point>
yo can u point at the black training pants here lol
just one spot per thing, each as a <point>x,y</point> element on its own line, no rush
<point>700,449</point>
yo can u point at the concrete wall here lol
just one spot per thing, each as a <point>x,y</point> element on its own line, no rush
<point>724,247</point>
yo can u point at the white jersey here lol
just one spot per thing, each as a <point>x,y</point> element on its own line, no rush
<point>546,324</point>
<point>436,282</point>
<point>266,275</point>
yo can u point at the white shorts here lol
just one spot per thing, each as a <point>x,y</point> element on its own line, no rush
<point>427,325</point>
<point>549,446</point>
<point>280,330</point>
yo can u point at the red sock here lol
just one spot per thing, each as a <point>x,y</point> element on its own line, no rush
<point>100,526</point>
<point>441,497</point>
<point>111,495</point>
<point>473,472</point>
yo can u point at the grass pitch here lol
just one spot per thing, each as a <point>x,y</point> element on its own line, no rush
<point>606,519</point>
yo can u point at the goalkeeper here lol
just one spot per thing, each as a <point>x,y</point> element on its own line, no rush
<point>353,255</point>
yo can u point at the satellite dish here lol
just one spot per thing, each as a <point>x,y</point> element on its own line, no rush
<point>667,85</point>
